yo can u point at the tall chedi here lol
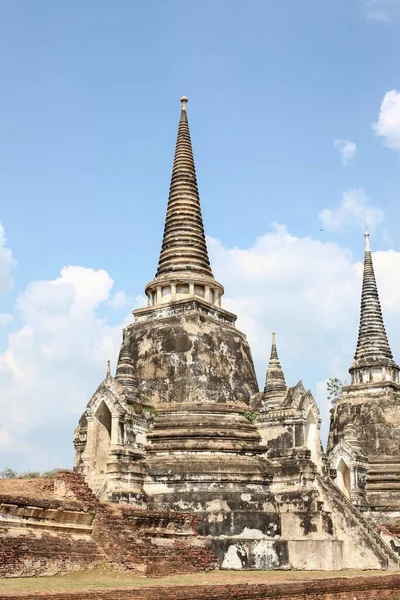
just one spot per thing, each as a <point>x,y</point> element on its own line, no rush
<point>174,429</point>
<point>193,365</point>
<point>367,415</point>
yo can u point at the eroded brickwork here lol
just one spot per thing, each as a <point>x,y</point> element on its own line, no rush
<point>28,555</point>
<point>77,532</point>
<point>38,536</point>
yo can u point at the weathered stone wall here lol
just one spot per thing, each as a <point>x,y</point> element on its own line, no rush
<point>356,588</point>
<point>185,355</point>
<point>151,543</point>
<point>77,532</point>
<point>375,415</point>
<point>146,542</point>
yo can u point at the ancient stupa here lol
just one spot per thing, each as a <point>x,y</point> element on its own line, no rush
<point>364,439</point>
<point>183,427</point>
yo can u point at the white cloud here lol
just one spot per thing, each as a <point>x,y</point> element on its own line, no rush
<point>387,267</point>
<point>388,125</point>
<point>354,211</point>
<point>5,319</point>
<point>347,150</point>
<point>53,364</point>
<point>381,11</point>
<point>5,439</point>
<point>308,292</point>
<point>119,300</point>
<point>7,263</point>
<point>378,15</point>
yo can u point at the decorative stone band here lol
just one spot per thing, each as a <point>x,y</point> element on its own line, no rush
<point>163,290</point>
<point>278,414</point>
<point>182,306</point>
<point>373,373</point>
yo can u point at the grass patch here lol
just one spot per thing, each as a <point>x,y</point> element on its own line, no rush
<point>105,577</point>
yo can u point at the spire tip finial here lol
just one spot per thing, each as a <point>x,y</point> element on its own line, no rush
<point>184,101</point>
<point>275,384</point>
<point>108,368</point>
<point>367,244</point>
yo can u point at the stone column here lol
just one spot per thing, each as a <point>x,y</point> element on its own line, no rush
<point>158,299</point>
<point>191,290</point>
<point>88,453</point>
<point>217,300</point>
<point>116,430</point>
<point>207,294</point>
<point>173,291</point>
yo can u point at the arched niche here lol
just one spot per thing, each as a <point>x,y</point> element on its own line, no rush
<point>311,436</point>
<point>102,437</point>
<point>343,480</point>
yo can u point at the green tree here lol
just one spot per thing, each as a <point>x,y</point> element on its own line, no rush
<point>334,387</point>
<point>50,474</point>
<point>29,475</point>
<point>8,473</point>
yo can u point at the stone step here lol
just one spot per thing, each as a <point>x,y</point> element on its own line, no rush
<point>394,477</point>
<point>388,486</point>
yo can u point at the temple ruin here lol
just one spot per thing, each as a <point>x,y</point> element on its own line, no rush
<point>364,438</point>
<point>181,462</point>
<point>185,426</point>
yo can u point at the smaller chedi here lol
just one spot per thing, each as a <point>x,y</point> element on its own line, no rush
<point>364,438</point>
<point>289,419</point>
<point>183,426</point>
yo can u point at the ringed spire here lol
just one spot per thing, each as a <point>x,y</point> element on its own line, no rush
<point>275,384</point>
<point>373,350</point>
<point>184,245</point>
<point>184,263</point>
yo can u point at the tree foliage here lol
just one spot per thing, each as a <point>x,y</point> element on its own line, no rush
<point>8,473</point>
<point>251,416</point>
<point>334,387</point>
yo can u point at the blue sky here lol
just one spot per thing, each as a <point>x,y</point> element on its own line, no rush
<point>89,104</point>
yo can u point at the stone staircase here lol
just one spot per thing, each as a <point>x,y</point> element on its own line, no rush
<point>389,559</point>
<point>98,485</point>
<point>383,483</point>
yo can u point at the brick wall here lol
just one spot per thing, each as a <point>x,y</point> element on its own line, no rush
<point>150,543</point>
<point>77,485</point>
<point>357,588</point>
<point>31,555</point>
<point>35,546</point>
<point>145,542</point>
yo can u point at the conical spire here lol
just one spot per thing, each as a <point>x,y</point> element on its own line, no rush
<point>125,374</point>
<point>373,346</point>
<point>275,384</point>
<point>184,267</point>
<point>184,246</point>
